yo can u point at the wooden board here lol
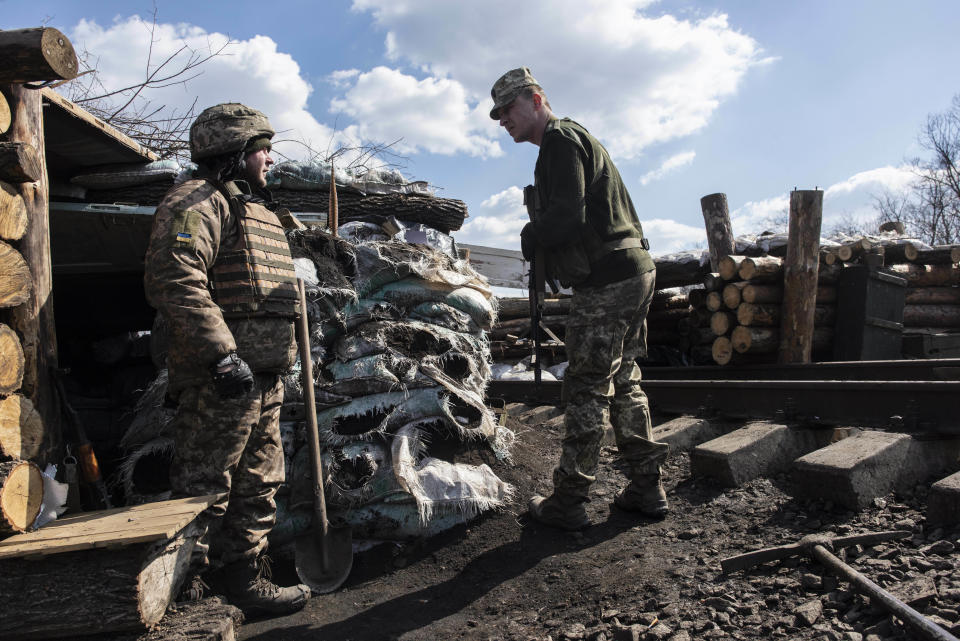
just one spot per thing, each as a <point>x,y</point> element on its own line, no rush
<point>107,528</point>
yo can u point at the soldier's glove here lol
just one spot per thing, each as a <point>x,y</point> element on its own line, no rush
<point>528,241</point>
<point>232,377</point>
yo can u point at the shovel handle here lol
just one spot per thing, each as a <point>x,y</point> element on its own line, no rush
<point>310,408</point>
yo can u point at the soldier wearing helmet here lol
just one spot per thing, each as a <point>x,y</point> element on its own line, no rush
<point>586,224</point>
<point>219,272</point>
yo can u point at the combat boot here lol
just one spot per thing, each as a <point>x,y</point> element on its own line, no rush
<point>644,494</point>
<point>560,511</point>
<point>248,586</point>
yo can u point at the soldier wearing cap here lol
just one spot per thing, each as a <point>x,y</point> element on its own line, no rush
<point>219,272</point>
<point>593,241</point>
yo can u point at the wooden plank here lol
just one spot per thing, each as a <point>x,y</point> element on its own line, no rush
<point>107,528</point>
<point>82,114</point>
<point>502,267</point>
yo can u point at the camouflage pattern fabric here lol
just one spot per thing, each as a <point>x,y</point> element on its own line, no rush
<point>224,128</point>
<point>191,228</point>
<point>507,88</point>
<point>230,446</point>
<point>606,332</point>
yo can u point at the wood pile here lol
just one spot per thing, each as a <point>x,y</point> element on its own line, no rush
<point>736,313</point>
<point>22,207</point>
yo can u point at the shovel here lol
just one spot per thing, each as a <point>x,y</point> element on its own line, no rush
<point>324,554</point>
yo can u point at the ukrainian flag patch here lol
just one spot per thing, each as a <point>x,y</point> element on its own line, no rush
<point>184,226</point>
<point>183,237</point>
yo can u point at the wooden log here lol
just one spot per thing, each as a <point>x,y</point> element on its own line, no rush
<point>13,213</point>
<point>713,282</point>
<point>768,315</point>
<point>664,300</point>
<point>21,494</point>
<point>716,217</point>
<point>850,251</point>
<point>733,294</point>
<point>21,428</point>
<point>663,336</point>
<point>828,274</point>
<point>521,326</point>
<point>931,316</point>
<point>700,317</point>
<point>932,296</point>
<point>729,267</point>
<point>519,307</point>
<point>11,362</point>
<point>39,54</point>
<point>5,117</point>
<point>800,271</point>
<point>15,280</point>
<point>939,255</point>
<point>670,316</point>
<point>766,340</point>
<point>759,293</point>
<point>34,320</point>
<point>829,257</point>
<point>928,275</point>
<point>681,269</point>
<point>761,268</point>
<point>722,350</point>
<point>697,297</point>
<point>19,162</point>
<point>722,322</point>
<point>714,301</point>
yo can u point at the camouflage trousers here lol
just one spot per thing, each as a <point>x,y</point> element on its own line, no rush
<point>230,446</point>
<point>606,331</point>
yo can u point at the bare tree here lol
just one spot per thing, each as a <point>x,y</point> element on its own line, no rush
<point>930,209</point>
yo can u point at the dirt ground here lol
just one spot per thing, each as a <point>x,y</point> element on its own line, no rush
<point>505,577</point>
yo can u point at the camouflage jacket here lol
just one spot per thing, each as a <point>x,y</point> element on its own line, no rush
<point>190,227</point>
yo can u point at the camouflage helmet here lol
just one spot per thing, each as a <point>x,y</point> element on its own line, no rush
<point>224,128</point>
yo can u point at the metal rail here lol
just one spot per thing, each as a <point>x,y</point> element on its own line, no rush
<point>910,406</point>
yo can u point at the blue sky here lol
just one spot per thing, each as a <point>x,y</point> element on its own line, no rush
<point>749,98</point>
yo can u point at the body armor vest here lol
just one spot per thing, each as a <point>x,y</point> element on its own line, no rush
<point>255,277</point>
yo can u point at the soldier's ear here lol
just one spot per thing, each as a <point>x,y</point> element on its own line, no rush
<point>537,100</point>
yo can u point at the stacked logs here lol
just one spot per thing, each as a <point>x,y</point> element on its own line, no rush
<point>21,427</point>
<point>742,304</point>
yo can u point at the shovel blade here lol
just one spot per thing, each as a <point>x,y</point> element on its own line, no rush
<point>309,559</point>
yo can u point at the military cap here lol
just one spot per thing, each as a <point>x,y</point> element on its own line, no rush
<point>507,88</point>
<point>225,128</point>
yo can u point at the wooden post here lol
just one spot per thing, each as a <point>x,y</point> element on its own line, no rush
<point>800,272</point>
<point>716,217</point>
<point>33,320</point>
<point>31,55</point>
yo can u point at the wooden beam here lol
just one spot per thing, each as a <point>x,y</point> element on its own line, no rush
<point>19,162</point>
<point>34,320</point>
<point>800,271</point>
<point>716,217</point>
<point>37,54</point>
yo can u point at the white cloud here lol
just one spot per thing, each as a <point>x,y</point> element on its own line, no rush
<point>668,236</point>
<point>670,164</point>
<point>755,216</point>
<point>252,71</point>
<point>634,79</point>
<point>430,114</point>
<point>499,222</point>
<point>891,178</point>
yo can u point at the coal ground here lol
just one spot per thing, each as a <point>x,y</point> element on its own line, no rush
<point>503,577</point>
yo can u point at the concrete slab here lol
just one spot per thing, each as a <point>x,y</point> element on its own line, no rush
<point>755,450</point>
<point>943,502</point>
<point>686,432</point>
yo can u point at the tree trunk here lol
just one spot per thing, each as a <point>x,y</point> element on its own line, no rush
<point>716,217</point>
<point>722,350</point>
<point>714,301</point>
<point>729,267</point>
<point>766,340</point>
<point>34,320</point>
<point>768,315</point>
<point>519,307</point>
<point>11,362</point>
<point>21,494</point>
<point>722,322</point>
<point>733,294</point>
<point>5,117</point>
<point>932,296</point>
<point>931,316</point>
<point>940,255</point>
<point>21,429</point>
<point>13,213</point>
<point>761,269</point>
<point>20,162</point>
<point>31,55</point>
<point>928,275</point>
<point>800,270</point>
<point>15,281</point>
